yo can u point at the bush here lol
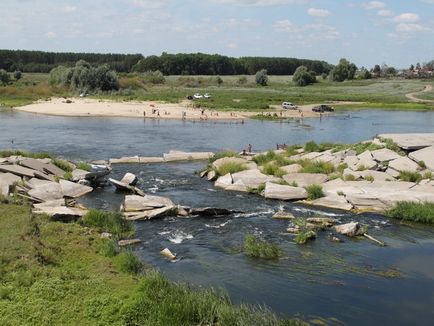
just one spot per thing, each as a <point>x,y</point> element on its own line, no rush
<point>311,146</point>
<point>314,192</point>
<point>409,211</point>
<point>84,166</point>
<point>410,176</point>
<point>112,222</point>
<point>279,159</point>
<point>303,237</point>
<point>5,78</point>
<point>261,77</point>
<point>242,80</point>
<point>17,75</point>
<point>317,167</point>
<point>107,248</point>
<point>273,169</point>
<point>303,77</point>
<point>127,262</point>
<point>154,77</point>
<point>259,248</point>
<point>230,167</point>
<point>343,71</point>
<point>62,164</point>
<point>68,176</point>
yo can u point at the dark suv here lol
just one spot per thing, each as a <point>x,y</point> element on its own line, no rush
<point>322,108</point>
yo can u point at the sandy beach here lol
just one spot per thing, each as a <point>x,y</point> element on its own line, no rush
<point>86,107</point>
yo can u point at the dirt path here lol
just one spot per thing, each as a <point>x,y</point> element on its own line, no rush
<point>412,96</point>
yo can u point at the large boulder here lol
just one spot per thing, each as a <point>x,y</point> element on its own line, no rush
<point>129,179</point>
<point>305,179</point>
<point>252,178</point>
<point>276,191</point>
<point>333,201</point>
<point>351,229</point>
<point>134,203</point>
<point>217,164</point>
<point>384,155</point>
<point>74,190</point>
<point>403,164</point>
<point>223,181</point>
<point>425,155</point>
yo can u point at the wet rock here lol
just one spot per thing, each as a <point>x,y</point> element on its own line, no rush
<point>333,201</point>
<point>305,179</point>
<point>134,203</point>
<point>334,238</point>
<point>281,215</point>
<point>74,190</point>
<point>276,191</point>
<point>168,254</point>
<point>425,155</point>
<point>384,155</point>
<point>211,175</point>
<point>182,211</point>
<point>224,181</point>
<point>323,221</point>
<point>126,187</point>
<point>351,229</point>
<point>173,156</point>
<point>210,211</point>
<point>293,230</point>
<point>203,173</point>
<point>403,164</point>
<point>128,242</point>
<point>151,213</point>
<point>129,179</point>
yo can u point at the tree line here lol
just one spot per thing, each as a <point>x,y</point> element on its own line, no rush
<point>168,64</point>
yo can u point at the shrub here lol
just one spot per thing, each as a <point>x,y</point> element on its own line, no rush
<point>68,176</point>
<point>428,175</point>
<point>292,150</point>
<point>256,248</point>
<point>154,77</point>
<point>112,222</point>
<point>303,237</point>
<point>261,77</point>
<point>317,167</point>
<point>4,77</point>
<point>311,146</point>
<point>422,164</point>
<point>369,178</point>
<point>410,176</point>
<point>272,169</point>
<point>107,248</point>
<point>303,77</point>
<point>127,262</point>
<point>219,155</point>
<point>230,167</point>
<point>314,192</point>
<point>242,80</point>
<point>261,159</point>
<point>62,164</point>
<point>409,211</point>
<point>350,177</point>
<point>17,75</point>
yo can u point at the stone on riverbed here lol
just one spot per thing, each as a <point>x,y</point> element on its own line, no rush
<point>151,159</point>
<point>276,191</point>
<point>128,242</point>
<point>210,211</point>
<point>122,160</point>
<point>281,215</point>
<point>134,203</point>
<point>351,229</point>
<point>129,179</point>
<point>126,187</point>
<point>333,201</point>
<point>323,221</point>
<point>168,254</point>
<point>305,179</point>
<point>186,156</point>
<point>151,213</point>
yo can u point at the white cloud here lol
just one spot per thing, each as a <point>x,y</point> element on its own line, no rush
<point>50,35</point>
<point>410,28</point>
<point>375,5</point>
<point>315,12</point>
<point>259,3</point>
<point>406,18</point>
<point>385,13</point>
<point>69,9</point>
<point>308,33</point>
<point>284,26</point>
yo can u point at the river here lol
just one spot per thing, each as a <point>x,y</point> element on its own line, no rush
<point>355,282</point>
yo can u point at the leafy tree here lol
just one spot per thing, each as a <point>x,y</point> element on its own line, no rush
<point>364,74</point>
<point>17,75</point>
<point>219,80</point>
<point>261,77</point>
<point>343,71</point>
<point>4,77</point>
<point>303,77</point>
<point>418,66</point>
<point>411,68</point>
<point>377,70</point>
<point>154,77</point>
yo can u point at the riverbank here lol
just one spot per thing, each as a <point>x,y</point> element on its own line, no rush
<point>185,110</point>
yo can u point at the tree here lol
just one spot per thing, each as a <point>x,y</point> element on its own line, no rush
<point>17,75</point>
<point>261,77</point>
<point>303,77</point>
<point>343,71</point>
<point>411,68</point>
<point>4,77</point>
<point>364,74</point>
<point>377,70</point>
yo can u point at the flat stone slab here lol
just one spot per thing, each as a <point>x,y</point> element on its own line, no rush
<point>61,213</point>
<point>126,187</point>
<point>47,191</point>
<point>17,170</point>
<point>305,179</point>
<point>366,201</point>
<point>333,201</point>
<point>53,169</point>
<point>74,190</point>
<point>9,178</point>
<point>237,186</point>
<point>412,141</point>
<point>33,164</point>
<point>78,174</point>
<point>223,181</point>
<point>134,203</point>
<point>282,192</point>
<point>50,203</point>
<point>426,155</point>
<point>151,213</point>
<point>186,156</point>
<point>252,178</point>
<point>129,178</point>
<point>404,164</point>
<point>292,168</point>
<point>217,164</point>
<point>126,159</point>
<point>384,155</point>
<point>377,175</point>
<point>152,159</point>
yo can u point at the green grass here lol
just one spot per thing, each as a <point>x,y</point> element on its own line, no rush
<point>53,273</point>
<point>111,222</point>
<point>230,167</point>
<point>68,176</point>
<point>7,153</point>
<point>83,166</point>
<point>272,169</point>
<point>416,212</point>
<point>128,262</point>
<point>410,176</point>
<point>255,248</point>
<point>304,237</point>
<point>278,159</point>
<point>63,164</point>
<point>314,192</point>
<point>220,155</point>
<point>316,167</point>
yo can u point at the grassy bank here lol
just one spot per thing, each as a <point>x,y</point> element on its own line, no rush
<point>415,212</point>
<point>64,274</point>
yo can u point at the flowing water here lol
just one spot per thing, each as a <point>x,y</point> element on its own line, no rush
<point>355,282</point>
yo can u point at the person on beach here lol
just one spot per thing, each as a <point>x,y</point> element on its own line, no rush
<point>249,148</point>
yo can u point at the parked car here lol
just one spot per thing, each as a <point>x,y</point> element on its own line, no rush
<point>206,95</point>
<point>322,108</point>
<point>197,96</point>
<point>289,106</point>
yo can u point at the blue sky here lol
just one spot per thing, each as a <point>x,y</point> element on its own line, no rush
<point>397,33</point>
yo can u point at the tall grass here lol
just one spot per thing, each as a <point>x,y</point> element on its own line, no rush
<point>410,176</point>
<point>278,159</point>
<point>112,222</point>
<point>316,167</point>
<point>253,247</point>
<point>222,154</point>
<point>272,169</point>
<point>128,262</point>
<point>410,211</point>
<point>314,192</point>
<point>83,166</point>
<point>230,167</point>
<point>63,164</point>
<point>7,153</point>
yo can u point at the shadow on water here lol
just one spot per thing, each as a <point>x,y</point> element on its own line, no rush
<point>356,281</point>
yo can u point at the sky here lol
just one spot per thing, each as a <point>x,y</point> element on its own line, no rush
<point>395,32</point>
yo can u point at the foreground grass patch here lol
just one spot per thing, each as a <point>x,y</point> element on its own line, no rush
<point>230,167</point>
<point>314,192</point>
<point>409,211</point>
<point>256,248</point>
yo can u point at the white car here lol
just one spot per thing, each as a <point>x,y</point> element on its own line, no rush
<point>289,106</point>
<point>206,95</point>
<point>197,96</point>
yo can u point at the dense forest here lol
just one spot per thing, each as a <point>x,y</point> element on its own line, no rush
<point>168,64</point>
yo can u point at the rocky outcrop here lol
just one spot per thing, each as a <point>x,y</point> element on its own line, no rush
<point>252,178</point>
<point>403,164</point>
<point>351,229</point>
<point>305,179</point>
<point>276,191</point>
<point>425,155</point>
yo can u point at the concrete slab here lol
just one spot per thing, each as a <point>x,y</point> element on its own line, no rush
<point>384,155</point>
<point>276,191</point>
<point>305,179</point>
<point>404,164</point>
<point>426,155</point>
<point>17,170</point>
<point>74,190</point>
<point>412,141</point>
